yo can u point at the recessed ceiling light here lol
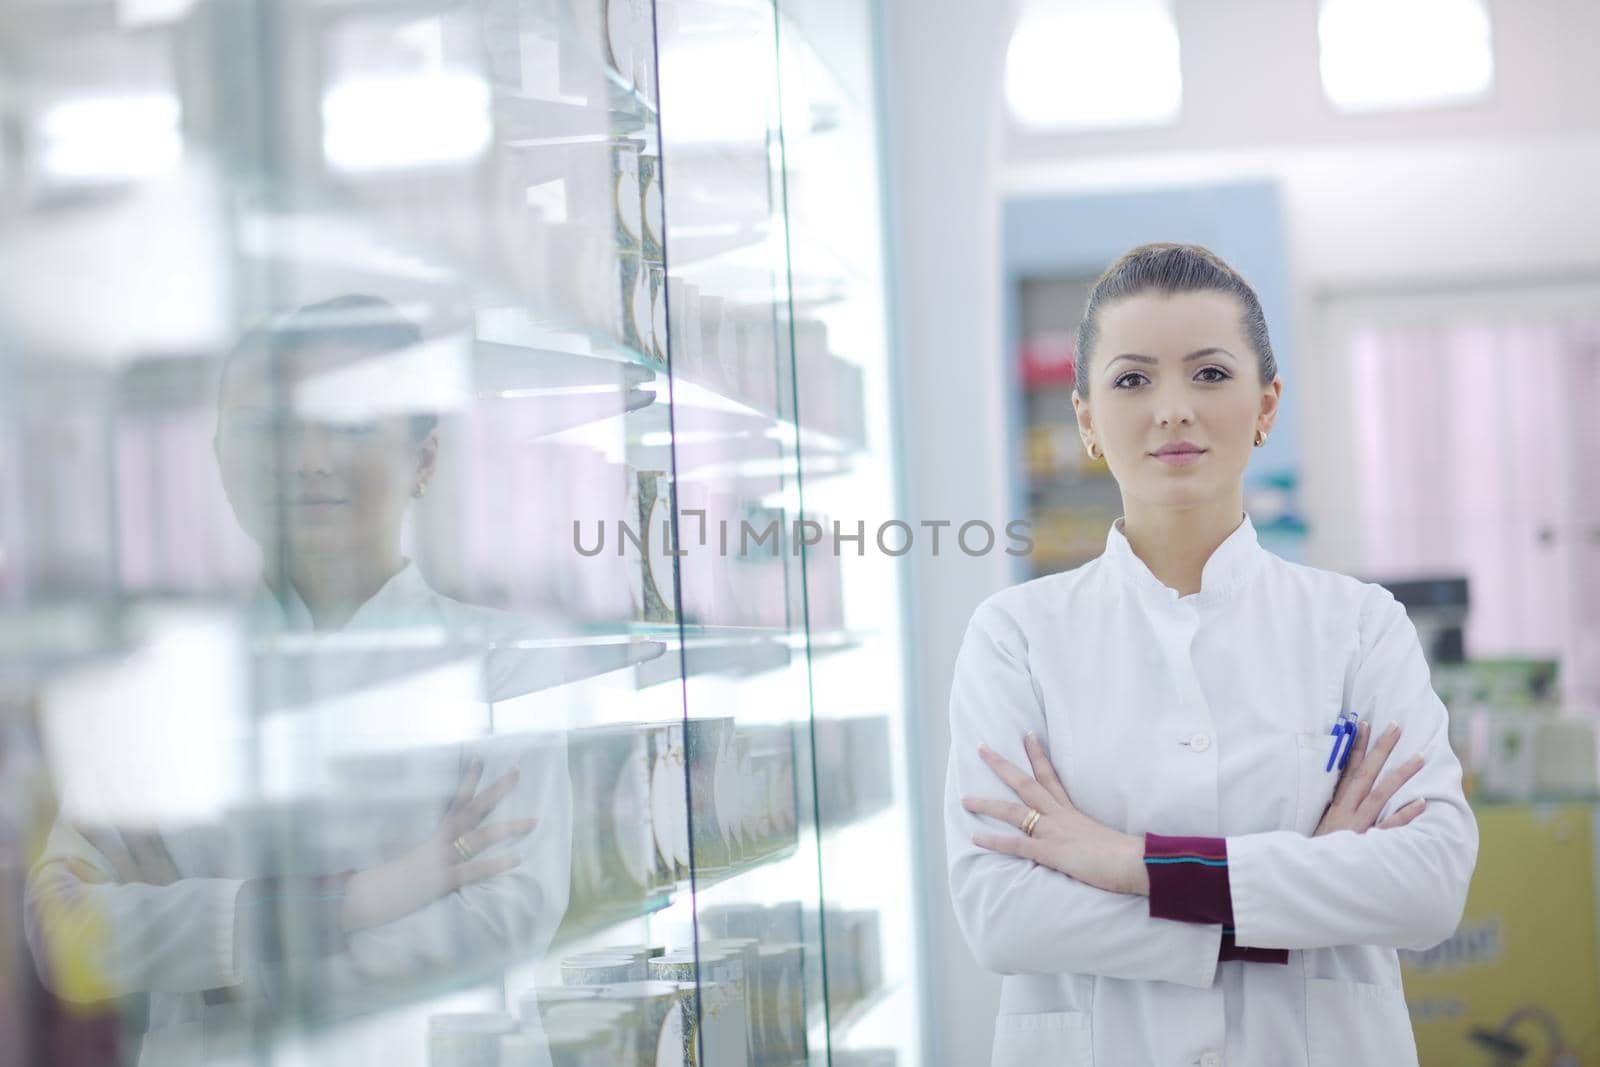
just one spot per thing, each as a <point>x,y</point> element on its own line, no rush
<point>1389,54</point>
<point>1094,64</point>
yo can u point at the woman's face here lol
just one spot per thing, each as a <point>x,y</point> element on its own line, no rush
<point>338,483</point>
<point>1170,369</point>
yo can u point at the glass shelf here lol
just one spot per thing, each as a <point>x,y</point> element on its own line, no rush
<point>523,121</point>
<point>587,926</point>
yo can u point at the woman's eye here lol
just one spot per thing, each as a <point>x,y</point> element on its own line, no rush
<point>249,427</point>
<point>353,429</point>
<point>1128,381</point>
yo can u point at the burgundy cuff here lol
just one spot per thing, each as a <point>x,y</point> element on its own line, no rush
<point>1189,883</point>
<point>1188,879</point>
<point>1232,951</point>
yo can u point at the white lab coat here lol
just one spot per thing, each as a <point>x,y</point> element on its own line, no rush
<point>178,940</point>
<point>1204,715</point>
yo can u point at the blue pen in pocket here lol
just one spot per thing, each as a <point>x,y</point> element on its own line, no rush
<point>1344,727</point>
<point>1350,732</point>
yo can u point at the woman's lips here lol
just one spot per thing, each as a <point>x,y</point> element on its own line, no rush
<point>1180,459</point>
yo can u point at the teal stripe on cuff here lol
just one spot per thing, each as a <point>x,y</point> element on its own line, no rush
<point>1189,859</point>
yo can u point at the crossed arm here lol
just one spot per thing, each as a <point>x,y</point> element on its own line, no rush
<point>109,913</point>
<point>1186,878</point>
<point>1404,886</point>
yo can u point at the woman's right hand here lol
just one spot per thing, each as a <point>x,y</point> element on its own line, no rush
<point>446,861</point>
<point>1359,797</point>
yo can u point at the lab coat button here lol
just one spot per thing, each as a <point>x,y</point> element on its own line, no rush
<point>1210,1059</point>
<point>1199,743</point>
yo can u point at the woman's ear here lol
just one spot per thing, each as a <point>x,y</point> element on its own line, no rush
<point>1085,418</point>
<point>1270,397</point>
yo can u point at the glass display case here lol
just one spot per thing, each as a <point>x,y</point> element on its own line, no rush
<point>444,443</point>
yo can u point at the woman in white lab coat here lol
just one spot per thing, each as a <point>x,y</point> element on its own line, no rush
<point>1144,833</point>
<point>419,848</point>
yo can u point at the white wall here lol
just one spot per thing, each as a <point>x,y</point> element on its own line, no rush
<point>1487,195</point>
<point>943,75</point>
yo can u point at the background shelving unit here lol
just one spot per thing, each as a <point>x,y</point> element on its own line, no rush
<point>1070,499</point>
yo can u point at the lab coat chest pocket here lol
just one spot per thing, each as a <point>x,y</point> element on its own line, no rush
<point>1314,783</point>
<point>1035,1039</point>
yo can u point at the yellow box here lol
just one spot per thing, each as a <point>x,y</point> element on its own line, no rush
<point>1521,971</point>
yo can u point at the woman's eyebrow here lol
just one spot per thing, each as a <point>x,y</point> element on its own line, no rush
<point>1199,353</point>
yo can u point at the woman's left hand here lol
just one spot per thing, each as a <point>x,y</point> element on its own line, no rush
<point>1063,837</point>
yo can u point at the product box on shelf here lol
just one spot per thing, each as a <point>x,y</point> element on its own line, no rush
<point>617,33</point>
<point>760,570</point>
<point>780,922</point>
<point>638,323</point>
<point>778,1014</point>
<point>767,769</point>
<point>666,1022</point>
<point>716,801</point>
<point>720,977</point>
<point>684,329</point>
<point>783,1009</point>
<point>650,206</point>
<point>602,968</point>
<point>647,541</point>
<point>709,532</point>
<point>746,950</point>
<point>627,201</point>
<point>615,859</point>
<point>669,799</point>
<point>659,338</point>
<point>590,242</point>
<point>630,42</point>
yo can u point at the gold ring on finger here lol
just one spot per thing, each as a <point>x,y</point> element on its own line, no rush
<point>461,848</point>
<point>1030,822</point>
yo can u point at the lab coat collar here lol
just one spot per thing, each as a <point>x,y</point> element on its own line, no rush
<point>404,600</point>
<point>1225,573</point>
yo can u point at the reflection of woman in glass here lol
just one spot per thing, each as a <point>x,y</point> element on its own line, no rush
<point>1149,832</point>
<point>319,473</point>
<point>407,866</point>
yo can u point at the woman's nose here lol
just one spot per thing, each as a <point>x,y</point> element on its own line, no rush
<point>308,445</point>
<point>1176,412</point>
